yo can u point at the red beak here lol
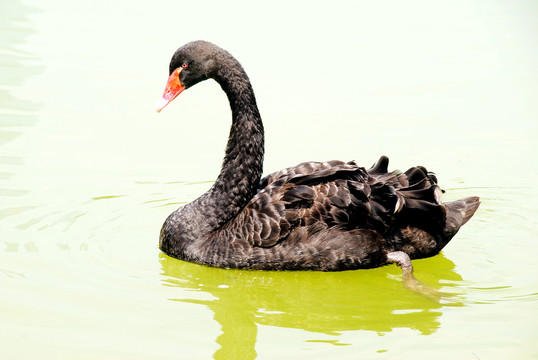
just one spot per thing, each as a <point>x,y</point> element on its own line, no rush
<point>171,91</point>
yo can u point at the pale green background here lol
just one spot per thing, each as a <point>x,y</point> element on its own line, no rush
<point>88,173</point>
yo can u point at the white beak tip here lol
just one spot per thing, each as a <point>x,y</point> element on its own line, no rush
<point>160,104</point>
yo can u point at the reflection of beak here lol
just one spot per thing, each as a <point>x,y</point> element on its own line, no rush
<point>171,91</point>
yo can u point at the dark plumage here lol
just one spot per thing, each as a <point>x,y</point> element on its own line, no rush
<point>314,216</point>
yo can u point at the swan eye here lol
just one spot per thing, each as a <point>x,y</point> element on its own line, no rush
<point>185,65</point>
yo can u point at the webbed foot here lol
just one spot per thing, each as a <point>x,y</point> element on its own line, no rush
<point>409,281</point>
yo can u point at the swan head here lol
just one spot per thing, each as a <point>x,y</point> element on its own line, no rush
<point>193,62</point>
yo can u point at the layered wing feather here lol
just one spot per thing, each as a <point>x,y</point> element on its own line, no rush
<point>323,195</point>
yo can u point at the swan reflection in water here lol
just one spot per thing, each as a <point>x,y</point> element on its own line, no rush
<point>318,302</point>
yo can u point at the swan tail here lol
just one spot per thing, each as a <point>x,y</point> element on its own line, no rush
<point>458,213</point>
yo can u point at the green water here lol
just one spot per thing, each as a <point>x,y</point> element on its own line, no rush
<point>88,173</point>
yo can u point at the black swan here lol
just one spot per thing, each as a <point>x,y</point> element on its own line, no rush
<point>326,216</point>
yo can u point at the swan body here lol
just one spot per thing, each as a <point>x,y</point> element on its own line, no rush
<point>325,216</point>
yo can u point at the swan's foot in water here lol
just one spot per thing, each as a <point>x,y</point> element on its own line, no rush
<point>404,262</point>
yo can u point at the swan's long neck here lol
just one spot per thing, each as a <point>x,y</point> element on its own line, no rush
<point>241,170</point>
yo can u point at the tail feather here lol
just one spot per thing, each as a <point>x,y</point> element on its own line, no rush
<point>458,213</point>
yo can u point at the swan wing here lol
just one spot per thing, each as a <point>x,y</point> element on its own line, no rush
<point>321,195</point>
